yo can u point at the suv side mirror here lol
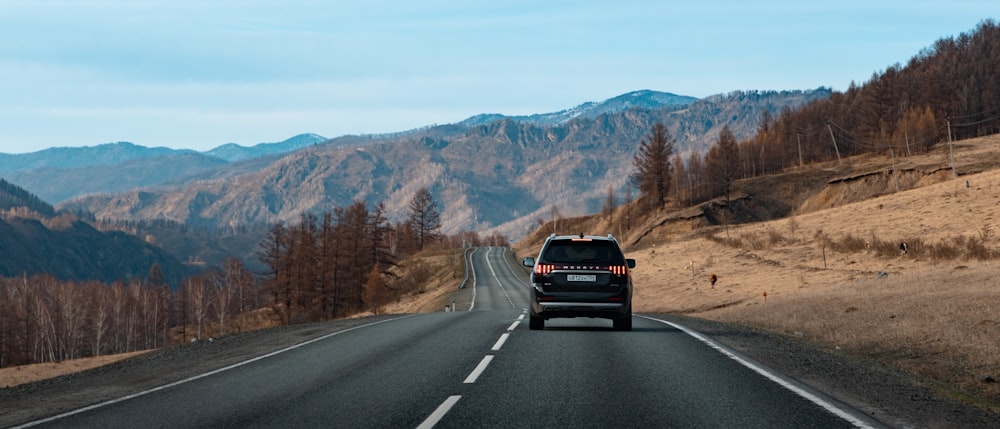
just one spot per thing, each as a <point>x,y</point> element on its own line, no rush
<point>528,262</point>
<point>630,263</point>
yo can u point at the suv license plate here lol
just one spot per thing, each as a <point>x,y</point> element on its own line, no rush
<point>581,278</point>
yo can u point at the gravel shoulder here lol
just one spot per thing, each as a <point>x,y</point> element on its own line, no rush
<point>897,400</point>
<point>894,398</point>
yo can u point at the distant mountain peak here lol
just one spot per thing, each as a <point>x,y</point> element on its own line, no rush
<point>644,98</point>
<point>234,152</point>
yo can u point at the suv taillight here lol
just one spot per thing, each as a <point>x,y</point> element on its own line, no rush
<point>544,269</point>
<point>619,270</point>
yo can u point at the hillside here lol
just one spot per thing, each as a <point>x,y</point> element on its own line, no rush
<point>73,250</point>
<point>831,267</point>
<point>34,239</point>
<point>14,198</point>
<point>490,177</point>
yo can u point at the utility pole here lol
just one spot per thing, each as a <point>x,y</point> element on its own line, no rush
<point>907,134</point>
<point>895,173</point>
<point>798,138</point>
<point>951,149</point>
<point>830,128</point>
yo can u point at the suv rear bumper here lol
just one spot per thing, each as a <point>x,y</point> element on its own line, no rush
<point>609,310</point>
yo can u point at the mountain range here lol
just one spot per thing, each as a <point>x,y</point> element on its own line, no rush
<point>489,173</point>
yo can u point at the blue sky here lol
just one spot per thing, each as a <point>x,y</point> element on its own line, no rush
<point>199,74</point>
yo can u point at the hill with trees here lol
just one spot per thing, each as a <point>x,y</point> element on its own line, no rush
<point>945,93</point>
<point>36,239</point>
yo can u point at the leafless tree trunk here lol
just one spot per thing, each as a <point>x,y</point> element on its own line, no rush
<point>44,350</point>
<point>67,300</point>
<point>224,291</point>
<point>100,316</point>
<point>198,299</point>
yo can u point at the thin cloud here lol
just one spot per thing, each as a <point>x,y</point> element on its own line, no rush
<point>388,64</point>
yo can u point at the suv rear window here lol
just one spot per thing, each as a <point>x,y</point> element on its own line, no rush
<point>604,252</point>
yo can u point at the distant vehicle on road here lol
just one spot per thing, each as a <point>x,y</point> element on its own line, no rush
<point>581,276</point>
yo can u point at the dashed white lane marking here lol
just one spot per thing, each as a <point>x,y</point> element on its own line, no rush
<point>499,283</point>
<point>479,369</point>
<point>446,406</point>
<point>440,412</point>
<point>499,343</point>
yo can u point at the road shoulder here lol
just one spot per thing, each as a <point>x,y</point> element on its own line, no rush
<point>890,396</point>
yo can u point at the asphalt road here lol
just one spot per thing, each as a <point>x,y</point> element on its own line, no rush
<point>480,366</point>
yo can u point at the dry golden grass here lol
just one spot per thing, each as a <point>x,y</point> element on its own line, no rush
<point>934,311</point>
<point>13,376</point>
<point>437,274</point>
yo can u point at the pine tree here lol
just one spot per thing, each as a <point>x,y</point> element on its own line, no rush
<point>724,164</point>
<point>652,166</point>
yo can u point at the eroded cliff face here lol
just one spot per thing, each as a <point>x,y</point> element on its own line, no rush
<point>871,184</point>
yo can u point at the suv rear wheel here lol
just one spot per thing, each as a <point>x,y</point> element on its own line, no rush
<point>624,323</point>
<point>536,323</point>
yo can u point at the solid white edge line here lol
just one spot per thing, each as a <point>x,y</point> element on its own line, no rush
<point>196,377</point>
<point>441,410</point>
<point>499,343</point>
<point>851,418</point>
<point>490,264</point>
<point>472,306</point>
<point>479,370</point>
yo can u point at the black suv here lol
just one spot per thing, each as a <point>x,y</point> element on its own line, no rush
<point>581,276</point>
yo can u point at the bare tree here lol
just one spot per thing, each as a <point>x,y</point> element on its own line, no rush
<point>241,282</point>
<point>70,319</point>
<point>425,217</point>
<point>100,318</point>
<point>628,209</point>
<point>224,291</point>
<point>44,350</point>
<point>610,203</point>
<point>764,121</point>
<point>122,310</point>
<point>680,182</point>
<point>275,251</point>
<point>199,302</point>
<point>554,215</point>
<point>375,294</point>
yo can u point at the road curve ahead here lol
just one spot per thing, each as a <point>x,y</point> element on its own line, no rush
<point>482,367</point>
